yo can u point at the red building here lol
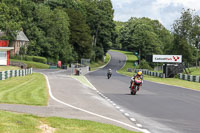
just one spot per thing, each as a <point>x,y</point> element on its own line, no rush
<point>4,52</point>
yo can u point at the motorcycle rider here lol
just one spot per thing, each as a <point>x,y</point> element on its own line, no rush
<point>138,75</point>
<point>109,71</point>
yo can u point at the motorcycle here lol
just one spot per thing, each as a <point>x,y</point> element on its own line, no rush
<point>135,85</point>
<point>109,75</point>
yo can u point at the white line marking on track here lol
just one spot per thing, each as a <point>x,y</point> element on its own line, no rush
<point>139,125</point>
<point>117,107</point>
<point>91,113</point>
<point>132,119</point>
<point>121,110</point>
<point>126,114</point>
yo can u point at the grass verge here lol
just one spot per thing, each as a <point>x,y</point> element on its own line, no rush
<point>5,68</point>
<point>83,80</point>
<point>33,64</point>
<point>30,90</point>
<point>194,71</point>
<point>95,65</point>
<point>23,123</point>
<point>169,81</point>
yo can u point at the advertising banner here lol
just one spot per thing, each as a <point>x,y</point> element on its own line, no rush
<point>167,58</point>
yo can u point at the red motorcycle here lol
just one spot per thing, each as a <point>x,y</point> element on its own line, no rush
<point>135,85</point>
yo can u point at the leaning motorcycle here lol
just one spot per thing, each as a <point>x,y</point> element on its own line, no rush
<point>135,85</point>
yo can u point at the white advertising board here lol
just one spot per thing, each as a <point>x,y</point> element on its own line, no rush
<point>167,58</point>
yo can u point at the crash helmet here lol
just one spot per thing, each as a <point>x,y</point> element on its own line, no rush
<point>139,73</point>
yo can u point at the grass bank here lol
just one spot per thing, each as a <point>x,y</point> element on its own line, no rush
<point>5,68</point>
<point>23,123</point>
<point>170,81</point>
<point>83,80</point>
<point>95,65</point>
<point>30,90</point>
<point>195,71</point>
<point>33,64</point>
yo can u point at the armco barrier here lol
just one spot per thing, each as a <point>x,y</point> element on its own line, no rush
<point>15,73</point>
<point>150,73</point>
<point>189,77</point>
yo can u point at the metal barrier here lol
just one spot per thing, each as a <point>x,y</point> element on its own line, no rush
<point>189,77</point>
<point>15,73</point>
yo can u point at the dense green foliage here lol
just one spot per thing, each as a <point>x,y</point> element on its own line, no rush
<point>148,37</point>
<point>31,64</point>
<point>65,30</point>
<point>145,36</point>
<point>186,32</point>
<point>31,58</point>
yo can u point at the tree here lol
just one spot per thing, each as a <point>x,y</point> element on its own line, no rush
<point>80,38</point>
<point>99,15</point>
<point>143,35</point>
<point>10,18</point>
<point>186,36</point>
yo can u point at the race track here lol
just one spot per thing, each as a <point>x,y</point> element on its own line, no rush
<point>159,108</point>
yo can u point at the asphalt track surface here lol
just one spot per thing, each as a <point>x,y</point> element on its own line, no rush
<point>159,108</point>
<point>68,98</point>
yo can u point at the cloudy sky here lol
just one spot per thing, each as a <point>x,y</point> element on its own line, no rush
<point>166,11</point>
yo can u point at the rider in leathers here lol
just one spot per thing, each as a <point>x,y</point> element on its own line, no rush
<point>138,75</point>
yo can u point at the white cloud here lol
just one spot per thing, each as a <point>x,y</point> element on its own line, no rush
<point>121,3</point>
<point>166,11</point>
<point>193,4</point>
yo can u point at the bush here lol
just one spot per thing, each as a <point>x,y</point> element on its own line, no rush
<point>144,65</point>
<point>40,59</point>
<point>29,58</point>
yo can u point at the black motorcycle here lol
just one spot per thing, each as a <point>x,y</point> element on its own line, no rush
<point>109,75</point>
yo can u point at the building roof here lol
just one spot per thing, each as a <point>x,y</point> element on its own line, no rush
<point>21,36</point>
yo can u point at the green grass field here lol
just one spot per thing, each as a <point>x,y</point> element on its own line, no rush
<point>5,68</point>
<point>170,81</point>
<point>95,65</point>
<point>30,90</point>
<point>195,71</point>
<point>33,64</point>
<point>24,123</point>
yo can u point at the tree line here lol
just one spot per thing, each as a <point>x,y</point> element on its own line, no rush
<point>149,37</point>
<point>65,30</point>
<point>69,30</point>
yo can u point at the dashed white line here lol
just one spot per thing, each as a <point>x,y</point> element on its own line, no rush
<point>139,125</point>
<point>126,114</point>
<point>133,119</point>
<point>121,110</point>
<point>117,107</point>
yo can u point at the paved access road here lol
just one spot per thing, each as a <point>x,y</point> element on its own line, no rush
<point>159,108</point>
